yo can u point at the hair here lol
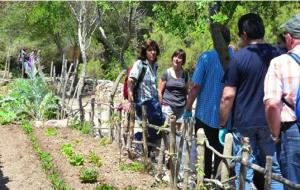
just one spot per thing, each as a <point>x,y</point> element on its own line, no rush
<point>180,53</point>
<point>226,34</point>
<point>253,25</point>
<point>147,45</point>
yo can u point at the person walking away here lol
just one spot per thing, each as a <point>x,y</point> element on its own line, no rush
<point>281,89</point>
<point>243,94</point>
<point>207,87</point>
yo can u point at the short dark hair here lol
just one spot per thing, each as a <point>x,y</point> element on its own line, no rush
<point>253,25</point>
<point>146,45</point>
<point>180,53</point>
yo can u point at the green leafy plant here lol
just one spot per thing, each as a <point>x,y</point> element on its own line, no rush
<point>85,127</point>
<point>105,186</point>
<point>67,149</point>
<point>7,117</point>
<point>104,141</point>
<point>88,175</point>
<point>27,127</point>
<point>134,166</point>
<point>76,159</point>
<point>95,159</point>
<point>51,131</point>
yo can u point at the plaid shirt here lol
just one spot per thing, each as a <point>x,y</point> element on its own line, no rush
<point>283,80</point>
<point>147,88</point>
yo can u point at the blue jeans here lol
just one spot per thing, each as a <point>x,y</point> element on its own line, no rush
<point>290,153</point>
<point>261,145</point>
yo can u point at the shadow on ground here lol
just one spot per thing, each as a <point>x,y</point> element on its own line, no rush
<point>3,180</point>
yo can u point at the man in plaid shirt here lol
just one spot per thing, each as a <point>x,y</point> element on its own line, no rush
<point>281,86</point>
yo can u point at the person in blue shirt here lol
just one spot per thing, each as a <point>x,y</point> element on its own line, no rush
<point>243,94</point>
<point>207,87</point>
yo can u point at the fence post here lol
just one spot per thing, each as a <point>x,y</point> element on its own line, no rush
<point>245,156</point>
<point>145,136</point>
<point>161,156</point>
<point>187,143</point>
<point>225,167</point>
<point>268,173</point>
<point>131,133</point>
<point>200,158</point>
<point>172,148</point>
<point>81,109</point>
<point>180,148</point>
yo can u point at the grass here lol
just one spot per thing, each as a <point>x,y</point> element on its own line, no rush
<point>105,186</point>
<point>85,127</point>
<point>95,159</point>
<point>104,141</point>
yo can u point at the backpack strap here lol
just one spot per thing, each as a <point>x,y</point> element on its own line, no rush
<point>297,59</point>
<point>140,79</point>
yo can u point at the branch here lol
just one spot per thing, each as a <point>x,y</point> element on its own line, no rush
<point>73,11</point>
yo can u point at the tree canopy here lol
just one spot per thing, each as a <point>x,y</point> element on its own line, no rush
<point>122,25</point>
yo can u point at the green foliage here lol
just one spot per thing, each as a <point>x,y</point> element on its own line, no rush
<point>85,127</point>
<point>51,131</point>
<point>74,158</point>
<point>95,159</point>
<point>105,186</point>
<point>30,98</point>
<point>7,117</point>
<point>88,175</point>
<point>27,127</point>
<point>104,141</point>
<point>134,166</point>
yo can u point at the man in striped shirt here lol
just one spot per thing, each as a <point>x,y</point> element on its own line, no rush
<point>281,85</point>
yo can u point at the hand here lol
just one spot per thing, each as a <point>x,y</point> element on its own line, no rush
<point>222,133</point>
<point>187,115</point>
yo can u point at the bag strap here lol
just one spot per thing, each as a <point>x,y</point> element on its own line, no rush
<point>142,75</point>
<point>297,59</point>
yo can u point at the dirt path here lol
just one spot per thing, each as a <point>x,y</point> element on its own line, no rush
<point>19,165</point>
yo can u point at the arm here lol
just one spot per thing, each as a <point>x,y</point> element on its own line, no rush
<point>273,110</point>
<point>193,93</point>
<point>161,89</point>
<point>227,99</point>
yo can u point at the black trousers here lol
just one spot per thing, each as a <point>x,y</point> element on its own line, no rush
<point>212,137</point>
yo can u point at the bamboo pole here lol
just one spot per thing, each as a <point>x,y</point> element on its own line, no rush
<point>225,167</point>
<point>268,173</point>
<point>200,158</point>
<point>92,111</point>
<point>81,110</point>
<point>245,156</point>
<point>51,71</point>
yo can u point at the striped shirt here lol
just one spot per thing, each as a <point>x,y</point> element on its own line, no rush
<point>283,80</point>
<point>147,88</point>
<point>209,74</point>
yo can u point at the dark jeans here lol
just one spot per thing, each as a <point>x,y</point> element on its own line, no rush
<point>212,137</point>
<point>290,154</point>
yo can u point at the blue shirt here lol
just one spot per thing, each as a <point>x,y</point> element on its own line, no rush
<point>246,72</point>
<point>209,74</point>
<point>147,88</point>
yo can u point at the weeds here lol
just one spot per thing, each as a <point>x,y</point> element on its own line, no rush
<point>88,175</point>
<point>134,166</point>
<point>130,188</point>
<point>7,117</point>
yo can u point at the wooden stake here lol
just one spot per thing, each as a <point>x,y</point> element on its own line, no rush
<point>225,166</point>
<point>172,146</point>
<point>245,156</point>
<point>268,173</point>
<point>200,158</point>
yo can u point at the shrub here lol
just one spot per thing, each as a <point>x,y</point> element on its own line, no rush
<point>95,159</point>
<point>134,166</point>
<point>105,186</point>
